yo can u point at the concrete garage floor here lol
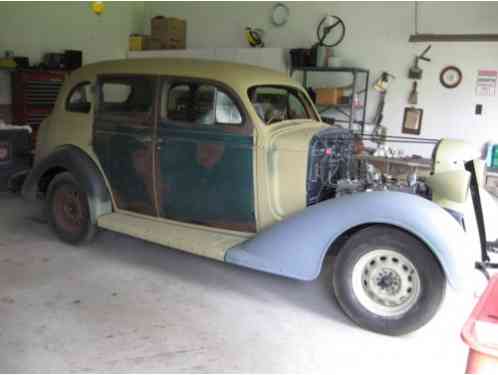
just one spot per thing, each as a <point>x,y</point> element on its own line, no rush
<point>123,304</point>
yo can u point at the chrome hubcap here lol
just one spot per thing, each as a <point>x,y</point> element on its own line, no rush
<point>386,282</point>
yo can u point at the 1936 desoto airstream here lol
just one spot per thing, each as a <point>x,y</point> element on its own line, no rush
<point>233,163</point>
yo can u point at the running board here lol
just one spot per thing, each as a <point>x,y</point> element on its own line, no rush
<point>211,243</point>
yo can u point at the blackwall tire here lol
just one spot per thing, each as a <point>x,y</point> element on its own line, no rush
<point>68,210</point>
<point>387,281</point>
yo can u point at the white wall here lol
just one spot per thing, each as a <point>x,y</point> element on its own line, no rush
<point>34,28</point>
<point>377,39</point>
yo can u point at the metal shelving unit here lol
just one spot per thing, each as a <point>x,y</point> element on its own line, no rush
<point>350,113</point>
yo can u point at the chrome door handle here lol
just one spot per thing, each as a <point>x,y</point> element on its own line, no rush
<point>146,139</point>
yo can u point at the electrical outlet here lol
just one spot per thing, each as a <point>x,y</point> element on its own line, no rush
<point>478,111</point>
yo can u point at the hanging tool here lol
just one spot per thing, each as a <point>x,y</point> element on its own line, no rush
<point>381,85</point>
<point>413,97</point>
<point>415,71</point>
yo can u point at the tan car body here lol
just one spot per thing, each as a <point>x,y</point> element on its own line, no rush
<point>280,151</point>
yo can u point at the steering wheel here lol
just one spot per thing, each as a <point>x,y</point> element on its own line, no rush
<point>274,115</point>
<point>323,31</point>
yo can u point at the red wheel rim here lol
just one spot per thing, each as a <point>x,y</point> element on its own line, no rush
<point>70,209</point>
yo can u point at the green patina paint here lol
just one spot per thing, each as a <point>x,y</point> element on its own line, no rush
<point>206,177</point>
<point>127,162</point>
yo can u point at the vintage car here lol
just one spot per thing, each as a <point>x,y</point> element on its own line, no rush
<point>232,162</point>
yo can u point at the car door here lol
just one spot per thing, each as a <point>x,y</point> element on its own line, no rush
<point>124,134</point>
<point>205,156</point>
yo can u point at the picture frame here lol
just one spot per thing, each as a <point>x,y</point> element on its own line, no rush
<point>412,120</point>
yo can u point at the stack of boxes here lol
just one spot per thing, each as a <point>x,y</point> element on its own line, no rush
<point>166,33</point>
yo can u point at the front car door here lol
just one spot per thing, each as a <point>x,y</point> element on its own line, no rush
<point>124,139</point>
<point>205,156</point>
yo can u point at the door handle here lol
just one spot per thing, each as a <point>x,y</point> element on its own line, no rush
<point>159,143</point>
<point>145,139</point>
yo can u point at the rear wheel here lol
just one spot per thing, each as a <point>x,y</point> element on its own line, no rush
<point>388,281</point>
<point>68,209</point>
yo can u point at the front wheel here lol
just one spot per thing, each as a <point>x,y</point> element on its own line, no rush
<point>388,281</point>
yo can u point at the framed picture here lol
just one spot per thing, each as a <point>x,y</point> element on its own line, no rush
<point>412,120</point>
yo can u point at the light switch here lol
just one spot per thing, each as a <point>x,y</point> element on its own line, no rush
<point>478,109</point>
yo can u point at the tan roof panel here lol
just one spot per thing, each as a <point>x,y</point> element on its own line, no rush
<point>235,75</point>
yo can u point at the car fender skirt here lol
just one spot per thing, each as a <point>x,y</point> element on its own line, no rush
<point>82,167</point>
<point>296,246</point>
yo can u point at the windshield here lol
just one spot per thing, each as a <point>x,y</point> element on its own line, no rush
<point>279,103</point>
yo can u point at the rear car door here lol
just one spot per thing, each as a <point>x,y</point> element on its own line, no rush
<point>205,156</point>
<point>124,139</point>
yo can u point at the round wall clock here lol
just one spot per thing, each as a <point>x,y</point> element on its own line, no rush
<point>280,14</point>
<point>450,77</point>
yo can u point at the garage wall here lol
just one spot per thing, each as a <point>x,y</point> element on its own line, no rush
<point>377,38</point>
<point>33,28</point>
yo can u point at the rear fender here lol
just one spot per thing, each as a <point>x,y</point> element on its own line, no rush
<point>82,167</point>
<point>296,246</point>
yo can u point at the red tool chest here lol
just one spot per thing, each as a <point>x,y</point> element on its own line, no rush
<point>33,96</point>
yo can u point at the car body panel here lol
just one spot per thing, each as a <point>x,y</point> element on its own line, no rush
<point>287,166</point>
<point>74,160</point>
<point>221,196</point>
<point>207,242</point>
<point>296,246</point>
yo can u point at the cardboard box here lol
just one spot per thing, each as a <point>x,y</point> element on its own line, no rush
<point>171,32</point>
<point>152,44</point>
<point>137,42</point>
<point>329,95</point>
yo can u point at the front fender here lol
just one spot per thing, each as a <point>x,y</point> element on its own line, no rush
<point>296,246</point>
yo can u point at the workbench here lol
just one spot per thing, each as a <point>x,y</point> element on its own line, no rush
<point>399,166</point>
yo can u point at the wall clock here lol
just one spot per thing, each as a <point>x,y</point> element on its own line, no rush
<point>450,77</point>
<point>280,14</point>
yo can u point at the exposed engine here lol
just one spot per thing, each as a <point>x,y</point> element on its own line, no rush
<point>333,171</point>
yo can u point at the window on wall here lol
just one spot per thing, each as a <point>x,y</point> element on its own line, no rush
<point>200,104</point>
<point>80,98</point>
<point>126,95</point>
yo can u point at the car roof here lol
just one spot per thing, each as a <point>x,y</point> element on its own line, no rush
<point>234,75</point>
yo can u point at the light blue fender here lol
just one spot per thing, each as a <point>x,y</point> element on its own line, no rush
<point>296,246</point>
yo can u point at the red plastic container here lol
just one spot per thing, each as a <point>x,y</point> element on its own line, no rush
<point>480,332</point>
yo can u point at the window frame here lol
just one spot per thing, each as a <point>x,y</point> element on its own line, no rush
<point>244,127</point>
<point>70,94</point>
<point>138,117</point>
<point>308,103</point>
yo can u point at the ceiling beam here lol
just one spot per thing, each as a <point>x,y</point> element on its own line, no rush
<point>415,38</point>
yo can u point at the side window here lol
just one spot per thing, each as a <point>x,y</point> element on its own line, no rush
<point>296,108</point>
<point>200,104</point>
<point>79,98</point>
<point>126,95</point>
<point>179,99</point>
<point>280,103</point>
<point>226,110</point>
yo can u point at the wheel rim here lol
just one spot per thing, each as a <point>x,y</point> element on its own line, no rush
<point>386,282</point>
<point>69,209</point>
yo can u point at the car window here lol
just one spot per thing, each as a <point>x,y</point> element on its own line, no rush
<point>278,103</point>
<point>80,98</point>
<point>200,104</point>
<point>126,95</point>
<point>226,110</point>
